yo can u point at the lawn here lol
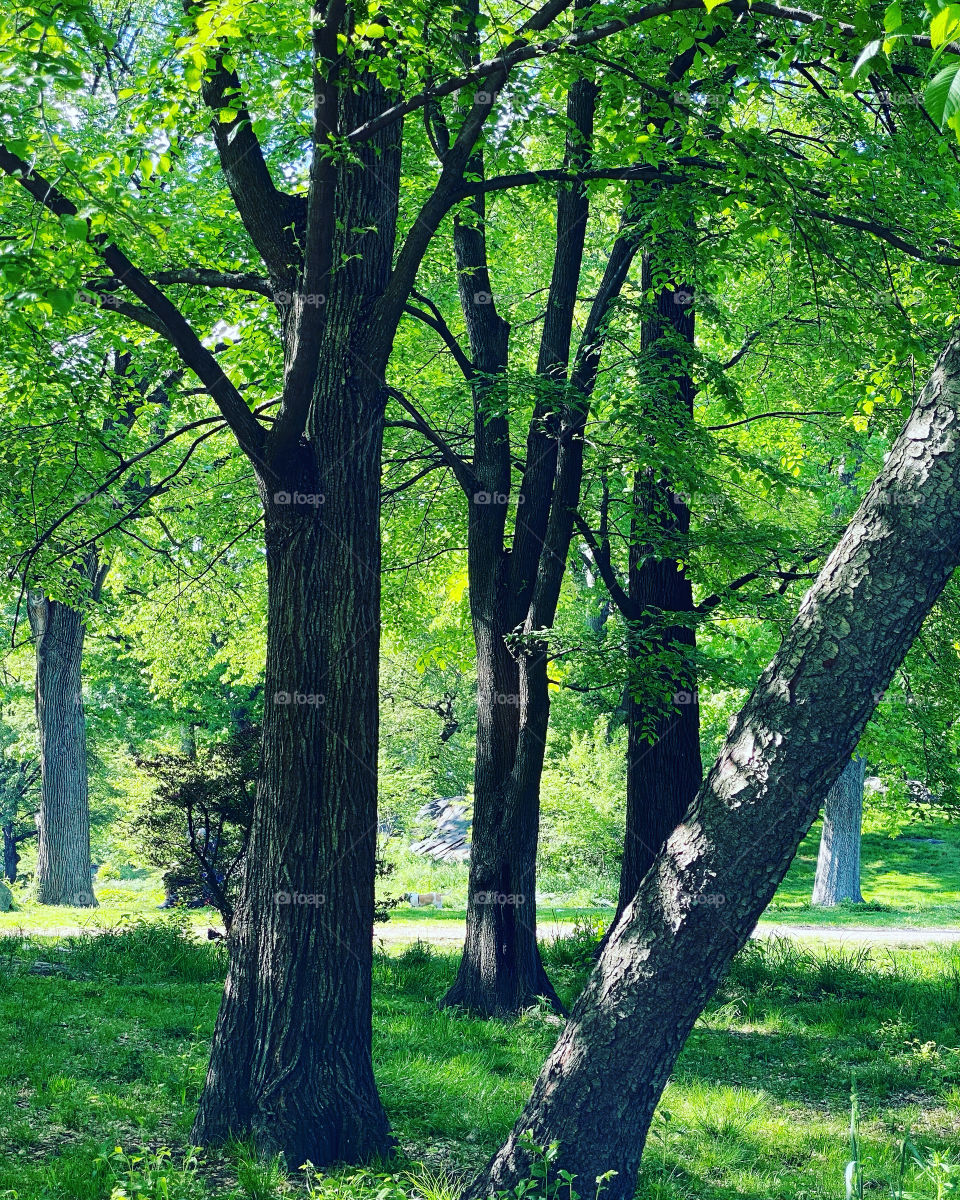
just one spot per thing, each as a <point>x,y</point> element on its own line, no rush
<point>102,1058</point>
<point>910,880</point>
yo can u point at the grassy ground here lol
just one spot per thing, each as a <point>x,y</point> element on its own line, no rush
<point>101,1062</point>
<point>911,880</point>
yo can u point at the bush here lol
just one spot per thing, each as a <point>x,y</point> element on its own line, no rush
<point>197,823</point>
<point>583,808</point>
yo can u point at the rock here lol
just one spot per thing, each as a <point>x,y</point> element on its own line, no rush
<point>6,898</point>
<point>448,842</point>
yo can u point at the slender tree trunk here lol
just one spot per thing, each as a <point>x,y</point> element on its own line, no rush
<point>63,855</point>
<point>696,906</point>
<point>838,862</point>
<point>664,767</point>
<point>11,856</point>
<point>500,970</point>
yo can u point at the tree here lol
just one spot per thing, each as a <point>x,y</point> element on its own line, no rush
<point>838,859</point>
<point>198,822</point>
<point>697,905</point>
<point>64,873</point>
<point>325,279</point>
<point>19,777</point>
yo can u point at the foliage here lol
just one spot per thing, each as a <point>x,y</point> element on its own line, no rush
<point>197,823</point>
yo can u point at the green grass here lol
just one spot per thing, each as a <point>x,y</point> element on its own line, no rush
<point>110,1051</point>
<point>905,881</point>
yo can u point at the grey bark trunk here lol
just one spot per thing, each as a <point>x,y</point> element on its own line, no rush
<point>838,862</point>
<point>697,905</point>
<point>63,855</point>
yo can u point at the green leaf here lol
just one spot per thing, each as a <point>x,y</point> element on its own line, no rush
<point>893,17</point>
<point>867,55</point>
<point>942,95</point>
<point>944,25</point>
<point>710,5</point>
<point>75,228</point>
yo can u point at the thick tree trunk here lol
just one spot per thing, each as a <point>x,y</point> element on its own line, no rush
<point>838,862</point>
<point>291,1063</point>
<point>63,855</point>
<point>696,906</point>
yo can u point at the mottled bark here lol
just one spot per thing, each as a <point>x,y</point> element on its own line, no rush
<point>696,906</point>
<point>838,860</point>
<point>63,873</point>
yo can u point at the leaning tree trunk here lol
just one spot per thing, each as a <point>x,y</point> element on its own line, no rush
<point>63,857</point>
<point>838,862</point>
<point>291,1064</point>
<point>697,905</point>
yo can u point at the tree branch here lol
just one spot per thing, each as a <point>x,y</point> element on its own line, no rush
<point>462,471</point>
<point>194,354</point>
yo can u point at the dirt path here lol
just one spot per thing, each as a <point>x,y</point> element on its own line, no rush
<point>448,935</point>
<point>862,935</point>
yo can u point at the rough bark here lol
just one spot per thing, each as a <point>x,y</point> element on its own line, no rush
<point>696,906</point>
<point>838,860</point>
<point>664,767</point>
<point>291,1063</point>
<point>63,873</point>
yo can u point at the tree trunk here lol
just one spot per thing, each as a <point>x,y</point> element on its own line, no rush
<point>500,970</point>
<point>11,856</point>
<point>63,855</point>
<point>291,1064</point>
<point>838,862</point>
<point>697,905</point>
<point>664,767</point>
